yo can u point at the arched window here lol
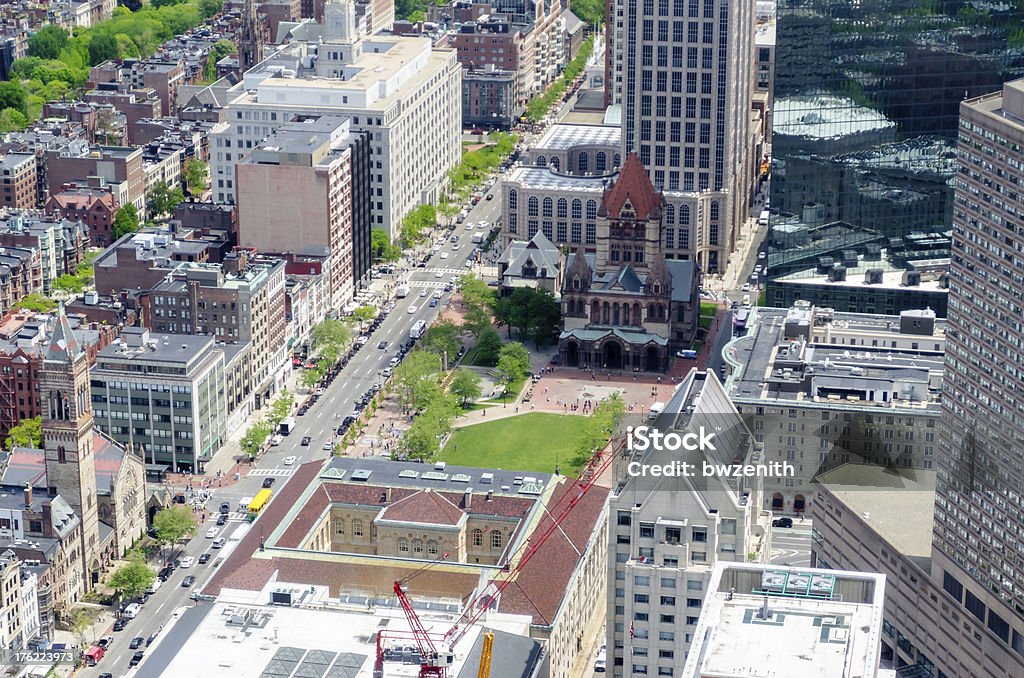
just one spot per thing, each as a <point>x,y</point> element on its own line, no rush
<point>563,208</point>
<point>403,545</point>
<point>541,161</point>
<point>576,282</point>
<point>601,161</point>
<point>714,210</point>
<point>555,163</point>
<point>548,205</point>
<point>533,206</point>
<point>670,214</point>
<point>478,537</point>
<point>591,209</point>
<point>616,160</point>
<point>513,200</point>
<point>577,209</point>
<point>684,215</point>
<point>583,162</point>
<point>417,546</point>
<point>656,288</point>
<point>431,548</point>
<point>495,539</point>
<point>357,527</point>
<point>339,526</point>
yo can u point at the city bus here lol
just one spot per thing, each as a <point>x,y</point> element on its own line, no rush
<point>259,501</point>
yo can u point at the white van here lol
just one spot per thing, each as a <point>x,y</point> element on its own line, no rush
<point>155,586</point>
<point>763,219</point>
<point>656,410</point>
<point>132,611</point>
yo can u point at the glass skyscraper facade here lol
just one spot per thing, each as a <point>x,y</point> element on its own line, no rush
<point>864,144</point>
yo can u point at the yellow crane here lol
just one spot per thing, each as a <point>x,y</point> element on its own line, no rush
<point>485,656</point>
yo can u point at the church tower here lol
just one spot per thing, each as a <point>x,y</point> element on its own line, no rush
<point>67,426</point>
<point>250,38</point>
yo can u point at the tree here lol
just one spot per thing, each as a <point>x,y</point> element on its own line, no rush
<point>209,8</point>
<point>449,210</point>
<point>418,381</point>
<point>280,409</point>
<point>163,199</point>
<point>38,303</point>
<point>12,95</point>
<point>102,47</point>
<point>600,426</point>
<point>195,175</point>
<point>466,385</point>
<point>125,221</point>
<point>311,378</point>
<point>488,348</point>
<point>475,292</point>
<point>174,524</point>
<point>12,120</point>
<point>27,433</point>
<point>329,338</point>
<point>364,314</point>
<point>254,437</point>
<point>132,579</point>
<point>381,246</point>
<point>544,316</point>
<point>80,621</point>
<point>514,361</point>
<point>590,12</point>
<point>442,339</point>
<point>47,42</point>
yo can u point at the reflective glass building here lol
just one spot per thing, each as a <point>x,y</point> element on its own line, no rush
<point>864,144</point>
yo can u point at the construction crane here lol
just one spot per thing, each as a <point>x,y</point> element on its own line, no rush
<point>434,663</point>
<point>485,656</point>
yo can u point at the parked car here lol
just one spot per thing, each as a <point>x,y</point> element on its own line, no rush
<point>120,624</point>
<point>188,581</point>
<point>328,446</point>
<point>268,481</point>
<point>105,642</point>
<point>136,658</point>
<point>782,522</point>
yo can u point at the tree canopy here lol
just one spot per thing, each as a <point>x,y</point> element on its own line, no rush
<point>125,221</point>
<point>466,385</point>
<point>132,579</point>
<point>195,176</point>
<point>174,524</point>
<point>27,433</point>
<point>163,199</point>
<point>382,247</point>
<point>418,380</point>
<point>533,312</point>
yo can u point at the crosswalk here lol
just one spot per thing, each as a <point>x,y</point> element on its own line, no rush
<point>278,472</point>
<point>431,284</point>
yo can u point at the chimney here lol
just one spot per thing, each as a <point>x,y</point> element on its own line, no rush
<point>469,497</point>
<point>28,496</point>
<point>387,494</point>
<point>490,495</point>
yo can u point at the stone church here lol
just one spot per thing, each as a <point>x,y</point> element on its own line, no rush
<point>624,306</point>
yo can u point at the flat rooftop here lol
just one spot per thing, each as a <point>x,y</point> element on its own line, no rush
<point>819,623</point>
<point>241,640</point>
<point>542,178</point>
<point>160,348</point>
<point>899,504</point>
<point>564,136</point>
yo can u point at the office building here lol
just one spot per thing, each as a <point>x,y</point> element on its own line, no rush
<point>404,93</point>
<point>302,174</point>
<point>821,388</point>
<point>667,533</point>
<point>863,146</point>
<point>683,76</point>
<point>786,621</point>
<point>979,489</point>
<point>18,178</point>
<point>241,300</point>
<point>163,395</point>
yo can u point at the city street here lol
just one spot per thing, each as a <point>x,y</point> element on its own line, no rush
<point>792,545</point>
<point>319,423</point>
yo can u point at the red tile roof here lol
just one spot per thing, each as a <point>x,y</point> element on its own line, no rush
<point>540,586</point>
<point>427,507</point>
<point>633,185</point>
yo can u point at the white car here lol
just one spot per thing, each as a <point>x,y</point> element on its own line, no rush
<point>188,561</point>
<point>469,225</point>
<point>423,293</point>
<point>289,460</point>
<point>762,254</point>
<point>328,446</point>
<point>413,308</point>
<point>276,440</point>
<point>469,263</point>
<point>438,294</point>
<point>212,532</point>
<point>395,362</point>
<point>438,273</point>
<point>746,287</point>
<point>444,255</point>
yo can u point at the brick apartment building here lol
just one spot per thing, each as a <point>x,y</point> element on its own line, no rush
<point>18,175</point>
<point>94,206</point>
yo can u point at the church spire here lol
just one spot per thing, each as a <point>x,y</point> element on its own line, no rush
<point>250,38</point>
<point>63,346</point>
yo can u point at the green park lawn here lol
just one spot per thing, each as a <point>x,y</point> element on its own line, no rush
<point>528,442</point>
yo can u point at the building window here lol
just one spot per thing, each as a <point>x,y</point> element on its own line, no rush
<point>357,527</point>
<point>495,539</point>
<point>403,545</point>
<point>478,537</point>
